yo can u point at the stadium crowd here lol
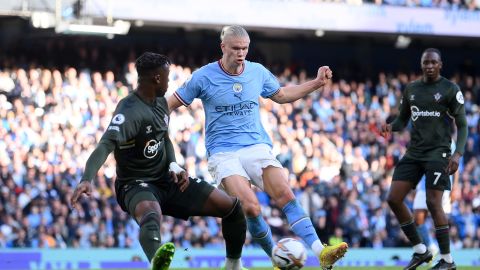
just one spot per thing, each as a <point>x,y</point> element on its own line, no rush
<point>445,4</point>
<point>338,164</point>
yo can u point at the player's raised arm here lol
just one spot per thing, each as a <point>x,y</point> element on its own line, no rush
<point>173,103</point>
<point>291,93</point>
<point>94,162</point>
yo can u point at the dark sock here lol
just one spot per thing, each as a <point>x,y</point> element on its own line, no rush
<point>410,230</point>
<point>234,228</point>
<point>150,234</point>
<point>442,233</point>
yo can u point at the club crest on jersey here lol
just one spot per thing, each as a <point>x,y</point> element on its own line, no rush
<point>437,96</point>
<point>412,97</point>
<point>237,90</point>
<point>118,119</point>
<point>149,129</point>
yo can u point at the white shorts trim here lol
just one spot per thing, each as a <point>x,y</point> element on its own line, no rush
<point>247,162</point>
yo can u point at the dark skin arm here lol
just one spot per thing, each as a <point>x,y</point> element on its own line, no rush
<point>94,162</point>
<point>461,123</point>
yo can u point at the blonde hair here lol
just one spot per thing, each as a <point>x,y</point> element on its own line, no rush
<point>233,31</point>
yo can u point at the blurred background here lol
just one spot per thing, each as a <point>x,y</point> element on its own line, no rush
<point>64,65</point>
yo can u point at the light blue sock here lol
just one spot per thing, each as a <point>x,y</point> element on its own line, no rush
<point>300,222</point>
<point>261,233</point>
<point>423,231</point>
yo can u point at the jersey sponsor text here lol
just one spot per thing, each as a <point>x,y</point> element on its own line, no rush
<point>417,113</point>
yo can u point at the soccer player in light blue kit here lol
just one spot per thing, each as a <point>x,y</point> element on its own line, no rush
<point>239,149</point>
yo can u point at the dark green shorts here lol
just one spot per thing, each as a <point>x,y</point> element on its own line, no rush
<point>412,170</point>
<point>172,201</point>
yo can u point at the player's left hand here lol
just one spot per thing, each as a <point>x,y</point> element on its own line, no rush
<point>453,162</point>
<point>324,75</point>
<point>179,176</point>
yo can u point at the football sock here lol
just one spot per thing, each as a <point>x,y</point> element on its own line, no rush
<point>301,225</point>
<point>150,234</point>
<point>233,264</point>
<point>443,238</point>
<point>420,248</point>
<point>317,247</point>
<point>261,233</point>
<point>423,232</point>
<point>234,231</point>
<point>411,233</point>
<point>447,257</point>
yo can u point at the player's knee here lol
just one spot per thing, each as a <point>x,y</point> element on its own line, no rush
<point>393,202</point>
<point>236,213</point>
<point>151,220</point>
<point>251,208</point>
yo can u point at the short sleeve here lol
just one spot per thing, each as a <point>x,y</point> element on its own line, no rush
<point>271,86</point>
<point>189,90</point>
<point>123,127</point>
<point>456,105</point>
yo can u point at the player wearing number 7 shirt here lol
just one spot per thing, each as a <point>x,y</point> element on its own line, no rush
<point>429,102</point>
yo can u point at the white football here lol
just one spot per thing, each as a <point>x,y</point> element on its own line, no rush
<point>289,254</point>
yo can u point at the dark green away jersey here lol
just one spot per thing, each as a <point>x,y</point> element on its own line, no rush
<point>427,106</point>
<point>139,130</point>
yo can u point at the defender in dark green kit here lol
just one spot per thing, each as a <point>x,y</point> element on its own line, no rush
<point>430,103</point>
<point>149,182</point>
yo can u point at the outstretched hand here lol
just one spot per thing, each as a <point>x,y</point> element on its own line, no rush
<point>453,162</point>
<point>324,75</point>
<point>84,187</point>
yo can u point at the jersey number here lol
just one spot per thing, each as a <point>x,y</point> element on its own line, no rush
<point>437,176</point>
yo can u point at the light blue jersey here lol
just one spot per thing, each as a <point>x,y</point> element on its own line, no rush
<point>231,104</point>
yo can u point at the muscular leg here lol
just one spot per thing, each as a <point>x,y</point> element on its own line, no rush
<point>239,187</point>
<point>434,203</point>
<point>396,196</point>
<point>276,185</point>
<point>234,227</point>
<point>148,216</point>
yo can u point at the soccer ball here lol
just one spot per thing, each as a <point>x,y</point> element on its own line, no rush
<point>289,254</point>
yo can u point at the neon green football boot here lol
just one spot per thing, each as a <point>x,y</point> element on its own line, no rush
<point>331,254</point>
<point>163,257</point>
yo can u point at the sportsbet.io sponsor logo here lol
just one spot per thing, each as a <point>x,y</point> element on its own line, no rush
<point>151,148</point>
<point>417,113</point>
